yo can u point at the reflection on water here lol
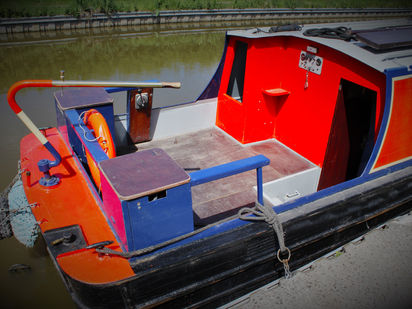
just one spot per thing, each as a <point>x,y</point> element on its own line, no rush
<point>115,58</point>
<point>188,57</point>
<point>138,30</point>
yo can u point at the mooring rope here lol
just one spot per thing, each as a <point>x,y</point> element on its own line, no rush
<point>261,213</point>
<point>267,214</point>
<point>143,251</point>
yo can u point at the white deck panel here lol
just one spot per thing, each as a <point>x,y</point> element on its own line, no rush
<point>178,120</point>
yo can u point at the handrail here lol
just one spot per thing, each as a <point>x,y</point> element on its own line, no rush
<point>45,165</point>
<point>233,168</point>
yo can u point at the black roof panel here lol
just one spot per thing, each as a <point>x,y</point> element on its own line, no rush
<point>388,38</point>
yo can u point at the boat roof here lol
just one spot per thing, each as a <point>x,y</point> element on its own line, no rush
<point>380,44</point>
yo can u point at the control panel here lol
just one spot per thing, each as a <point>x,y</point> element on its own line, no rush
<point>310,62</point>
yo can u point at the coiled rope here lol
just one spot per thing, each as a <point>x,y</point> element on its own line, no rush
<point>341,33</point>
<point>267,214</point>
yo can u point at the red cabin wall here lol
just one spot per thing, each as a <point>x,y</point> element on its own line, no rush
<point>302,119</point>
<point>230,114</point>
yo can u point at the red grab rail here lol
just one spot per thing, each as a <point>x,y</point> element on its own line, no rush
<point>45,165</point>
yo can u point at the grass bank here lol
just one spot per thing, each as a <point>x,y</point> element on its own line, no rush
<point>28,8</point>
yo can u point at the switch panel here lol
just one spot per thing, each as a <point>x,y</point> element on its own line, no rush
<point>310,62</point>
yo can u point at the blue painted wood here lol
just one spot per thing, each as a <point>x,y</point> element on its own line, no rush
<point>228,169</point>
<point>259,179</point>
<point>153,219</point>
<point>233,168</point>
<point>70,104</point>
<point>120,89</point>
<point>117,89</point>
<point>78,140</point>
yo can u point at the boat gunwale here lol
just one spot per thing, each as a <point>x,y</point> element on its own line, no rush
<point>305,204</point>
<point>154,265</point>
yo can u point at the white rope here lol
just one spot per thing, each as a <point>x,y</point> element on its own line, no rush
<point>84,130</point>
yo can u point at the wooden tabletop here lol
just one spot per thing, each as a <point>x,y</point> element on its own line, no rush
<point>69,98</point>
<point>142,173</point>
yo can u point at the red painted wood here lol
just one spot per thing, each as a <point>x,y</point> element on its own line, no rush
<point>230,112</point>
<point>139,119</point>
<point>113,210</point>
<point>301,120</point>
<point>275,92</point>
<point>337,154</point>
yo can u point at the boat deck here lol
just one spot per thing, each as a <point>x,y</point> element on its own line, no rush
<point>222,198</point>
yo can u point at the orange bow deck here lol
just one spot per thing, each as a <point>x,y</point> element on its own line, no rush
<point>70,202</point>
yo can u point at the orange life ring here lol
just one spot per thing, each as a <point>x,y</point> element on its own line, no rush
<point>95,122</point>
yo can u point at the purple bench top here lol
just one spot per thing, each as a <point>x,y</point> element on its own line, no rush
<point>142,173</point>
<point>82,97</point>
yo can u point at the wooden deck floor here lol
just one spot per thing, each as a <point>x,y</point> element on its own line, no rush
<point>222,198</point>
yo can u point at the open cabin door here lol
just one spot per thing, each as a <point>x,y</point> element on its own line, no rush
<point>352,135</point>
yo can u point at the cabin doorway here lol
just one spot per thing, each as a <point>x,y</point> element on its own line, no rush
<point>352,134</point>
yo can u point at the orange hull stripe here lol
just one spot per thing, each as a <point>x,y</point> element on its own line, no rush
<point>396,145</point>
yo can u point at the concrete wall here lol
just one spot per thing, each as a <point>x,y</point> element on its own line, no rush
<point>58,23</point>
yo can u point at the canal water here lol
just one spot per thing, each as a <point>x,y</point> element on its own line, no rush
<point>185,53</point>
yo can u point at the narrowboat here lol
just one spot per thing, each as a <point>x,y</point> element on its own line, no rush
<point>300,143</point>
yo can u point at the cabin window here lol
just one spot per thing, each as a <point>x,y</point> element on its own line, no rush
<point>237,76</point>
<point>352,134</point>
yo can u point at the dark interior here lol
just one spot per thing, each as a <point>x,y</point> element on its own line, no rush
<point>352,134</point>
